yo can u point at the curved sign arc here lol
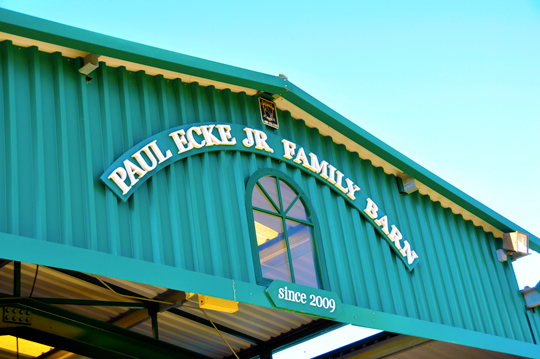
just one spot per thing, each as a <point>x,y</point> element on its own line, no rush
<point>148,157</point>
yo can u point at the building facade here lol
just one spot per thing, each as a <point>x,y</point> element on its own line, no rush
<point>158,205</point>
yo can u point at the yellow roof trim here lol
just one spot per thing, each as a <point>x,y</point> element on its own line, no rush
<point>42,46</point>
<point>458,210</point>
<point>130,66</point>
<point>171,75</point>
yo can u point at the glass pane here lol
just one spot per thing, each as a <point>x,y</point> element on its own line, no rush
<point>302,252</point>
<point>258,199</point>
<point>269,185</point>
<point>287,194</point>
<point>298,211</point>
<point>272,247</point>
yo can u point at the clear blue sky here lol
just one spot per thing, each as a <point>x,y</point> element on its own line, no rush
<point>454,85</point>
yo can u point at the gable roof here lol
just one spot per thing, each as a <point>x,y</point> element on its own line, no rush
<point>24,30</point>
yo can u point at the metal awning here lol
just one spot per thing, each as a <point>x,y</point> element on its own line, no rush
<point>82,315</point>
<point>103,317</point>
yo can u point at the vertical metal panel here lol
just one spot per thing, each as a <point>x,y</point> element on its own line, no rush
<point>62,149</point>
<point>59,134</point>
<point>38,149</point>
<point>4,122</point>
<point>87,162</point>
<point>10,139</point>
<point>534,321</point>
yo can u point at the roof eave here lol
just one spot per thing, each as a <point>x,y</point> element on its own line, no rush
<point>92,42</point>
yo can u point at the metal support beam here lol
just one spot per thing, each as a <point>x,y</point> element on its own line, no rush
<point>4,262</point>
<point>172,300</point>
<point>132,317</point>
<point>17,279</point>
<point>92,280</point>
<point>76,333</point>
<point>94,303</point>
<point>265,353</point>
<point>154,316</point>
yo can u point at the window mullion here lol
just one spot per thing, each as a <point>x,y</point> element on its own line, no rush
<point>289,255</point>
<point>299,221</point>
<point>278,209</point>
<point>279,195</point>
<point>302,230</point>
<point>266,211</point>
<point>292,204</point>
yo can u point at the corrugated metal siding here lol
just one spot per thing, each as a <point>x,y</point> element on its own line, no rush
<point>534,319</point>
<point>59,134</point>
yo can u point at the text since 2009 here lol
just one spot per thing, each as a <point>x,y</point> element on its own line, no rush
<point>314,300</point>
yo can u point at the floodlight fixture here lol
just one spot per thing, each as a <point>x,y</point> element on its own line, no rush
<point>532,296</point>
<point>515,244</point>
<point>90,64</point>
<point>406,184</point>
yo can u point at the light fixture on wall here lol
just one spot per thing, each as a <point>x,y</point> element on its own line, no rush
<point>90,64</point>
<point>406,184</point>
<point>516,244</point>
<point>532,296</point>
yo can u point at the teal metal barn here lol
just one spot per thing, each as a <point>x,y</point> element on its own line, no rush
<point>147,211</point>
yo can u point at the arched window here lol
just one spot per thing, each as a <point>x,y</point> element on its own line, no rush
<point>284,230</point>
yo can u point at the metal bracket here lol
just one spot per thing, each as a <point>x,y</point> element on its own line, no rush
<point>17,316</point>
<point>91,62</point>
